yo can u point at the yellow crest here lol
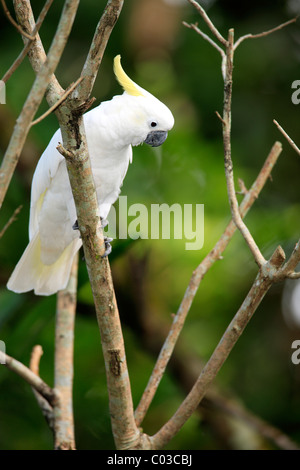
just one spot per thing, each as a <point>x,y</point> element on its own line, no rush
<point>129,86</point>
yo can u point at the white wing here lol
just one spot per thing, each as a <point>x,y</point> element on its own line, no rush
<point>45,171</point>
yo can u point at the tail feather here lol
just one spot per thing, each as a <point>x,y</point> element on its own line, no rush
<point>30,273</point>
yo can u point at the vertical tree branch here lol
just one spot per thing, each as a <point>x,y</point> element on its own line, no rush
<point>63,364</point>
<point>260,260</point>
<point>44,405</point>
<point>126,434</point>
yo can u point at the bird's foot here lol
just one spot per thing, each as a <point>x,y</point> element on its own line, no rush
<point>108,247</point>
<point>107,240</point>
<point>75,226</point>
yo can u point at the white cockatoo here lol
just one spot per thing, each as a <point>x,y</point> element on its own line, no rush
<point>112,129</point>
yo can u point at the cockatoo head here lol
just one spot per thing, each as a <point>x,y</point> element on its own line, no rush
<point>145,118</point>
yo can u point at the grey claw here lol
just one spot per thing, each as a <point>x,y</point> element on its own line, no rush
<point>108,247</point>
<point>75,226</point>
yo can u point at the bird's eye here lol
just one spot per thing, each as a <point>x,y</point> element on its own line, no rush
<point>153,124</point>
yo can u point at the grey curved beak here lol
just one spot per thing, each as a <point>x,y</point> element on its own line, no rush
<point>156,138</point>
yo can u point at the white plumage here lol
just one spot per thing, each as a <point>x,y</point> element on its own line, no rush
<point>112,129</point>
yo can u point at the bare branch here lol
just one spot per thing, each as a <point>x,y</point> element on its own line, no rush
<point>35,359</point>
<point>290,141</point>
<point>11,220</point>
<point>14,23</point>
<point>27,46</point>
<point>63,377</point>
<point>295,275</point>
<point>208,21</point>
<point>260,260</point>
<point>265,33</point>
<point>198,274</point>
<point>58,103</point>
<point>243,189</point>
<point>98,46</point>
<point>125,432</point>
<point>293,261</point>
<point>220,117</point>
<point>48,393</point>
<point>65,153</point>
<point>44,405</point>
<point>257,292</point>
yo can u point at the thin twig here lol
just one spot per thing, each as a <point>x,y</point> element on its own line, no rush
<point>290,141</point>
<point>295,275</point>
<point>63,363</point>
<point>58,103</point>
<point>34,380</point>
<point>243,189</point>
<point>257,292</point>
<point>220,117</point>
<point>35,359</point>
<point>265,33</point>
<point>208,21</point>
<point>195,281</point>
<point>14,23</point>
<point>260,260</point>
<point>65,153</point>
<point>10,221</point>
<point>204,36</point>
<point>44,405</point>
<point>29,43</point>
<point>288,269</point>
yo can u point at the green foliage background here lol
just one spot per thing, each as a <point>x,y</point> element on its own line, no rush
<point>182,70</point>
